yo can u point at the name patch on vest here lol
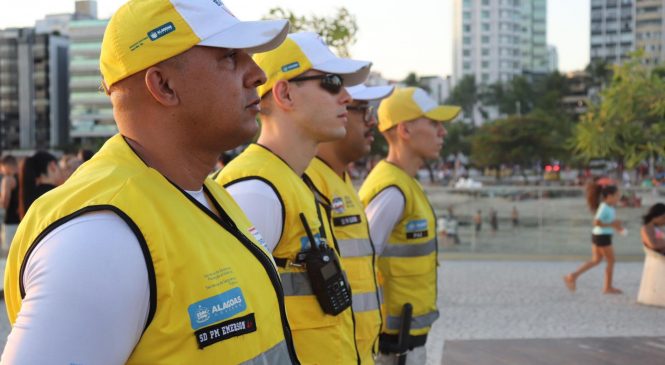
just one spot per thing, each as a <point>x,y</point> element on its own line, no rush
<point>337,205</point>
<point>346,220</point>
<point>225,330</point>
<point>217,308</point>
<point>416,229</point>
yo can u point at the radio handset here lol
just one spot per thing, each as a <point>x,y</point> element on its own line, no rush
<point>329,284</point>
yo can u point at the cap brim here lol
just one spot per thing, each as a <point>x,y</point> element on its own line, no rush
<point>369,93</point>
<point>251,36</point>
<point>443,113</point>
<point>353,72</point>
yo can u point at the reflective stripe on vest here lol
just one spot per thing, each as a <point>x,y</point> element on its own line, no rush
<point>409,250</point>
<point>418,322</point>
<point>355,247</point>
<point>296,283</point>
<point>278,354</point>
<point>365,302</point>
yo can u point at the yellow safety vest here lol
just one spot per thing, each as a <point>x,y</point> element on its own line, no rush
<point>215,294</point>
<point>409,261</point>
<point>352,234</point>
<point>319,338</point>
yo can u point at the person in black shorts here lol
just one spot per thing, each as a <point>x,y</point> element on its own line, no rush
<point>602,196</point>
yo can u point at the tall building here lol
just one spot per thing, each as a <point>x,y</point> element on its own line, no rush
<point>496,40</point>
<point>534,36</point>
<point>552,59</point>
<point>34,105</point>
<point>650,30</point>
<point>59,23</point>
<point>612,30</point>
<point>91,112</point>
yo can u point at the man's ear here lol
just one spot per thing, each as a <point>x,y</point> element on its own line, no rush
<point>281,95</point>
<point>404,130</point>
<point>160,86</point>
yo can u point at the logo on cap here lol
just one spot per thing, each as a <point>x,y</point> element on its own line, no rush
<point>291,66</point>
<point>161,31</point>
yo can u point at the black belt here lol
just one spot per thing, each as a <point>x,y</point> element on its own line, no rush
<point>388,343</point>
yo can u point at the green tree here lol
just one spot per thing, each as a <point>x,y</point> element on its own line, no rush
<point>464,94</point>
<point>629,123</point>
<point>338,31</point>
<point>411,80</point>
<point>600,71</point>
<point>458,138</point>
<point>519,140</point>
<point>513,97</point>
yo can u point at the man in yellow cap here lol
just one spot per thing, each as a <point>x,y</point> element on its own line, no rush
<point>303,103</point>
<point>328,172</point>
<point>401,220</point>
<point>138,258</point>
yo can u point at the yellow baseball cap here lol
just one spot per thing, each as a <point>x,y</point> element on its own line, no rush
<point>143,33</point>
<point>406,104</point>
<point>306,51</point>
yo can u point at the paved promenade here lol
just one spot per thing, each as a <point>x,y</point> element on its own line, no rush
<point>494,300</point>
<point>482,300</point>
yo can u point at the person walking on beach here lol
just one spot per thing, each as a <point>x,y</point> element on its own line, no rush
<point>478,221</point>
<point>602,197</point>
<point>515,217</point>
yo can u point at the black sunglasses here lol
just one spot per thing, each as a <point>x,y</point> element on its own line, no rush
<point>331,83</point>
<point>368,110</point>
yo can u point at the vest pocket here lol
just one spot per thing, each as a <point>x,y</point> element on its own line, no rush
<point>304,312</point>
<point>409,266</point>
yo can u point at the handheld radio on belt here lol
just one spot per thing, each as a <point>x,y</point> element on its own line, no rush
<point>329,284</point>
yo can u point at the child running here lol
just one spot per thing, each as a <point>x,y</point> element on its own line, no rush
<point>602,196</point>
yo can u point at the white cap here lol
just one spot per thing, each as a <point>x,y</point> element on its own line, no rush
<point>306,51</point>
<point>369,93</point>
<point>143,33</point>
<point>214,23</point>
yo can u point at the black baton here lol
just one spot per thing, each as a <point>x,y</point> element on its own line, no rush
<point>403,336</point>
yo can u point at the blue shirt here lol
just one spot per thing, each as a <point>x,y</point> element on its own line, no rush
<point>606,214</point>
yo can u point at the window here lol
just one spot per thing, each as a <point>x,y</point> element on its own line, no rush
<point>486,52</point>
<point>467,40</point>
<point>485,14</point>
<point>466,53</point>
<point>486,27</point>
<point>486,64</point>
<point>485,39</point>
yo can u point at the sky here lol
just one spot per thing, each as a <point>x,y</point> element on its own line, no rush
<point>397,36</point>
